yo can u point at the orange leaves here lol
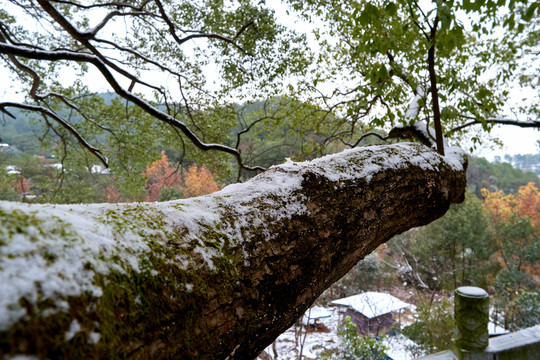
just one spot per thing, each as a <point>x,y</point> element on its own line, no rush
<point>197,181</point>
<point>529,203</point>
<point>525,203</point>
<point>159,175</point>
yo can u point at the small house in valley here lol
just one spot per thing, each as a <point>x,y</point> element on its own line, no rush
<point>372,312</point>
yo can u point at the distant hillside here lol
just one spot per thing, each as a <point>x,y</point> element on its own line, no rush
<point>22,132</point>
<point>525,162</point>
<point>496,176</point>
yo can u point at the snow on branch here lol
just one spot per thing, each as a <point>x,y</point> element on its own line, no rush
<point>234,268</point>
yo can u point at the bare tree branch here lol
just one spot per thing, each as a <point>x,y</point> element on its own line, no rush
<point>62,122</point>
<point>120,4</point>
<point>84,40</point>
<point>91,34</point>
<point>180,41</point>
<point>151,110</point>
<point>384,138</point>
<point>495,121</point>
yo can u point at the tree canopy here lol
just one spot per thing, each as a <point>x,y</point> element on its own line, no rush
<point>453,61</point>
<point>185,73</point>
<point>223,83</point>
<point>126,44</point>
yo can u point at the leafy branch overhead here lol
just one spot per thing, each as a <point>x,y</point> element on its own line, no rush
<point>444,62</point>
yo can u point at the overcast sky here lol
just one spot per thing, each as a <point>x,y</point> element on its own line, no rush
<point>516,141</point>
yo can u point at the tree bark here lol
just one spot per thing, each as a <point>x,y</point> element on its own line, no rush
<point>214,277</point>
<point>433,88</point>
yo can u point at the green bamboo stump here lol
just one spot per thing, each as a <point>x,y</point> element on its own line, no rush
<point>472,315</point>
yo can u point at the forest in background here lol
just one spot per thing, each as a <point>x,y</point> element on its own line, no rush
<point>36,171</point>
<point>490,242</point>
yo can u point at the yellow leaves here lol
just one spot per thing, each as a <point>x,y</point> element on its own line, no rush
<point>525,203</point>
<point>498,204</point>
<point>517,227</point>
<point>529,203</point>
<point>199,181</point>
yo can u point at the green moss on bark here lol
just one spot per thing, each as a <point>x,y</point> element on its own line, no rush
<point>153,312</point>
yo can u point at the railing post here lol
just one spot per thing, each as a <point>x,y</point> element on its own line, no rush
<point>471,312</point>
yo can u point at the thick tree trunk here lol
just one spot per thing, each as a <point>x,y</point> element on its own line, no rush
<point>214,277</point>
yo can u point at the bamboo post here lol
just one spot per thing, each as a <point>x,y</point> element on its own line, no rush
<point>471,313</point>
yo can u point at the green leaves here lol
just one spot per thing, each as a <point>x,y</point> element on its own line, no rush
<point>213,54</point>
<point>364,18</point>
<point>391,8</point>
<point>356,347</point>
<point>383,72</point>
<point>445,14</point>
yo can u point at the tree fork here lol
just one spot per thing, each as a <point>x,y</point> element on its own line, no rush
<point>214,277</point>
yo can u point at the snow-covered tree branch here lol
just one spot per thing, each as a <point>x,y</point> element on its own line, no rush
<point>213,277</point>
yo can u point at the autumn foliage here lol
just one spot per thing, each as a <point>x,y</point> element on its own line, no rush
<point>199,181</point>
<point>525,203</point>
<point>161,176</point>
<point>516,220</point>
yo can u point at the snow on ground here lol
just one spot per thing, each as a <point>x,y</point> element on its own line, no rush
<point>372,304</point>
<point>316,341</point>
<point>399,345</point>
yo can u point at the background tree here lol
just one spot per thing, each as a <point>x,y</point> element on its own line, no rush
<point>199,181</point>
<point>455,250</point>
<point>161,175</point>
<point>517,235</point>
<point>7,180</point>
<point>354,346</point>
<point>433,327</point>
<point>528,309</point>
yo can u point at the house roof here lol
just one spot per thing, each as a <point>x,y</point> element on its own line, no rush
<point>372,304</point>
<point>317,312</point>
